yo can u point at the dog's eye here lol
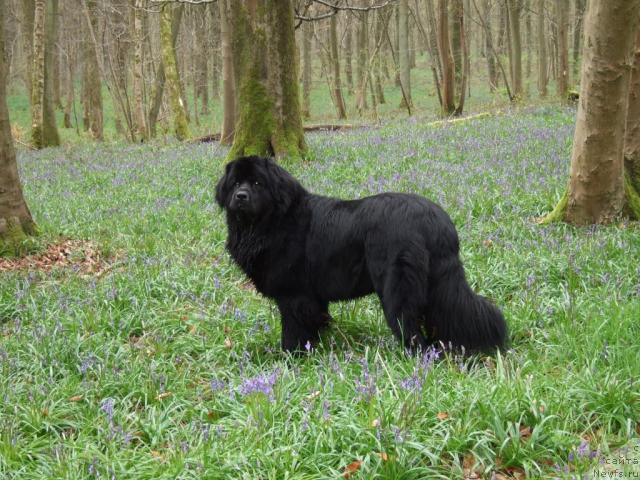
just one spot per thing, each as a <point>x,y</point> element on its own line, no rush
<point>256,183</point>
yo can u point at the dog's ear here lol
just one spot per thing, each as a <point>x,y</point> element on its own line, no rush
<point>284,188</point>
<point>222,188</point>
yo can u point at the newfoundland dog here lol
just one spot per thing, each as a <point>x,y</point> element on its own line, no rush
<point>305,250</point>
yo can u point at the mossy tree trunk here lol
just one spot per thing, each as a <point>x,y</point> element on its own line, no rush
<point>15,219</point>
<point>599,191</point>
<point>93,92</point>
<point>563,49</point>
<point>446,58</point>
<point>403,53</point>
<point>50,136</point>
<point>515,51</point>
<point>307,35</point>
<point>228,77</point>
<point>139,118</point>
<point>335,67</point>
<point>269,120</point>
<point>180,122</point>
<point>632,138</point>
<point>542,51</point>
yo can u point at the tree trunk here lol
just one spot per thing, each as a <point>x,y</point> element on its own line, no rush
<point>542,51</point>
<point>92,97</point>
<point>335,64</point>
<point>348,56</point>
<point>70,87</point>
<point>139,117</point>
<point>632,138</point>
<point>596,192</point>
<point>158,90</point>
<point>202,58</point>
<point>577,35</point>
<point>229,93</point>
<point>269,118</point>
<point>515,8</point>
<point>403,53</point>
<point>28,15</point>
<point>361,63</point>
<point>446,57</point>
<point>492,69</point>
<point>180,122</point>
<point>15,219</point>
<point>563,50</point>
<point>377,72</point>
<point>43,128</point>
<point>307,35</point>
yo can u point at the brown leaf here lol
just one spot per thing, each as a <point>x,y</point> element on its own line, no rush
<point>75,398</point>
<point>228,343</point>
<point>442,415</point>
<point>156,454</point>
<point>471,470</point>
<point>383,456</point>
<point>352,468</point>
<point>193,329</point>
<point>375,423</point>
<point>525,432</point>
<point>164,395</point>
<point>487,243</point>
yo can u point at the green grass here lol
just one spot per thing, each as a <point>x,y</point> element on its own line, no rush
<point>164,346</point>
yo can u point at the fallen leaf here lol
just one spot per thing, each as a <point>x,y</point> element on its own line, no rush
<point>156,454</point>
<point>487,243</point>
<point>352,468</point>
<point>375,423</point>
<point>470,468</point>
<point>75,398</point>
<point>525,432</point>
<point>193,329</point>
<point>164,395</point>
<point>442,415</point>
<point>228,343</point>
<point>383,456</point>
<point>313,395</point>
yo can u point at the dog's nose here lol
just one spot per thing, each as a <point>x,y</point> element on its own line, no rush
<point>242,196</point>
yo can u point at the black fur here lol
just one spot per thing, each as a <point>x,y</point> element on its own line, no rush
<point>305,250</point>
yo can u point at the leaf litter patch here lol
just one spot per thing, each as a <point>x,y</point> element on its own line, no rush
<point>81,256</point>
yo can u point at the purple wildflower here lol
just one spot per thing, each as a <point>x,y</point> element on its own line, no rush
<point>259,384</point>
<point>216,385</point>
<point>107,408</point>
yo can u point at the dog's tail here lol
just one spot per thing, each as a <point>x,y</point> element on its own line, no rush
<point>462,318</point>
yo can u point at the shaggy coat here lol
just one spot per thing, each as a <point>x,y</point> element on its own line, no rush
<point>305,250</point>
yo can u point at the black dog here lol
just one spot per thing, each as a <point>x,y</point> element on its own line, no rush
<point>305,250</point>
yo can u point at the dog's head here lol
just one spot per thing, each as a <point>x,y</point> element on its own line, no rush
<point>255,187</point>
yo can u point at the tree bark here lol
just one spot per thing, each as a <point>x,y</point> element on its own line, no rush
<point>307,34</point>
<point>158,90</point>
<point>489,49</point>
<point>228,77</point>
<point>563,50</point>
<point>403,53</point>
<point>632,137</point>
<point>542,51</point>
<point>577,35</point>
<point>596,192</point>
<point>28,15</point>
<point>269,118</point>
<point>515,8</point>
<point>92,97</point>
<point>362,48</point>
<point>335,65</point>
<point>202,58</point>
<point>180,122</point>
<point>44,132</point>
<point>348,56</point>
<point>15,218</point>
<point>446,58</point>
<point>139,117</point>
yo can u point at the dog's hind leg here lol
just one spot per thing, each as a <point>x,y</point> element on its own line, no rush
<point>302,319</point>
<point>403,294</point>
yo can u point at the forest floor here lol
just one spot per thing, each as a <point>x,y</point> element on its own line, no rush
<point>141,352</point>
